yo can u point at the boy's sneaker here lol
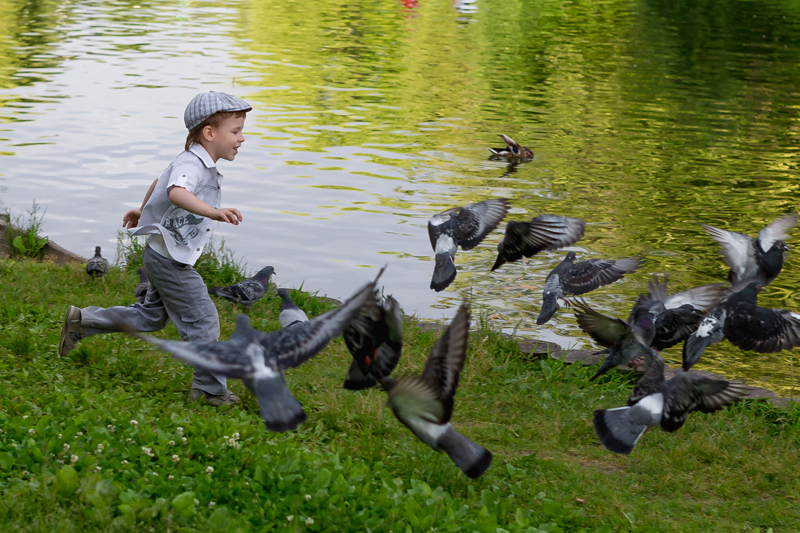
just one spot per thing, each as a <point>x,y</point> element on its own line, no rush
<point>228,398</point>
<point>72,331</point>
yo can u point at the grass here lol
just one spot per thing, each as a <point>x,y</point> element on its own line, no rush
<point>105,440</point>
<point>22,236</point>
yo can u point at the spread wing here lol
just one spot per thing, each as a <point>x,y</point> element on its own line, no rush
<point>475,221</point>
<point>588,275</point>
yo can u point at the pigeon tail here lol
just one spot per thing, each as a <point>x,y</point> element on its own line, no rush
<point>549,308</point>
<point>356,379</point>
<point>443,273</point>
<point>280,410</point>
<point>693,348</point>
<point>607,365</point>
<point>473,459</point>
<point>617,429</point>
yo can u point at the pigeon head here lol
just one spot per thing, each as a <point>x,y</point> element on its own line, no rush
<point>97,251</point>
<point>285,297</point>
<point>265,273</point>
<point>570,257</point>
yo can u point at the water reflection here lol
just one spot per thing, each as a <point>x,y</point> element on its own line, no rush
<point>647,119</point>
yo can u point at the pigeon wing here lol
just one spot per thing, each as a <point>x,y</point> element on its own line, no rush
<point>588,275</point>
<point>688,392</point>
<point>415,398</point>
<point>446,360</point>
<point>763,330</point>
<point>545,232</point>
<point>776,231</point>
<point>475,221</point>
<point>738,249</point>
<point>701,298</point>
<point>606,331</point>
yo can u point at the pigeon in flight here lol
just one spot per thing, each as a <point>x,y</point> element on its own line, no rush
<point>751,259</point>
<point>259,358</point>
<point>424,403</point>
<point>461,226</point>
<point>511,152</point>
<point>290,314</point>
<point>248,291</point>
<point>656,401</point>
<point>375,340</point>
<point>97,266</point>
<point>572,279</point>
<point>141,289</point>
<point>624,341</point>
<point>677,315</point>
<point>545,232</point>
<point>739,319</point>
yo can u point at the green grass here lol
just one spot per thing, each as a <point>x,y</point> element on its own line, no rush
<point>352,466</point>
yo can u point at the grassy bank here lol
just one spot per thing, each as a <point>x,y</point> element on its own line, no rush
<point>105,440</point>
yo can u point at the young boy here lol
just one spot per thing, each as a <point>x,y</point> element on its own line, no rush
<point>176,214</point>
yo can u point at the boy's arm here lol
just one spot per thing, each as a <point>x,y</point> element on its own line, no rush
<point>131,218</point>
<point>185,199</point>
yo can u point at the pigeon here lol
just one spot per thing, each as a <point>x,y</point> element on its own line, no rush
<point>259,358</point>
<point>754,260</point>
<point>461,226</point>
<point>375,340</point>
<point>511,152</point>
<point>677,315</point>
<point>739,319</point>
<point>656,401</point>
<point>290,314</point>
<point>97,266</point>
<point>248,291</point>
<point>570,278</point>
<point>141,289</point>
<point>624,341</point>
<point>424,403</point>
<point>545,232</point>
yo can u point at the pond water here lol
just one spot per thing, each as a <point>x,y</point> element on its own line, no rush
<point>647,117</point>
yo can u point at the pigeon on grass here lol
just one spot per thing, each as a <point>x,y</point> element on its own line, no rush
<point>375,340</point>
<point>259,358</point>
<point>463,226</point>
<point>624,341</point>
<point>424,403</point>
<point>751,259</point>
<point>572,279</point>
<point>248,291</point>
<point>739,319</point>
<point>656,401</point>
<point>290,314</point>
<point>545,232</point>
<point>141,289</point>
<point>97,266</point>
<point>511,152</point>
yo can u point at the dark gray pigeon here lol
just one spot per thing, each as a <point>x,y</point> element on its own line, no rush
<point>739,319</point>
<point>375,340</point>
<point>290,314</point>
<point>424,403</point>
<point>624,341</point>
<point>754,259</point>
<point>511,152</point>
<point>545,232</point>
<point>677,315</point>
<point>655,401</point>
<point>141,289</point>
<point>572,279</point>
<point>461,226</point>
<point>97,266</point>
<point>248,291</point>
<point>259,358</point>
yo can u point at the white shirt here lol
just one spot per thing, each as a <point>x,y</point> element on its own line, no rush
<point>184,234</point>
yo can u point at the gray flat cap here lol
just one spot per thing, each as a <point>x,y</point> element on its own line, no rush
<point>204,105</point>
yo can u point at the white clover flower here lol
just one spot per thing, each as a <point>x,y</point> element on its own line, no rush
<point>308,497</point>
<point>184,440</point>
<point>290,518</point>
<point>147,451</point>
<point>210,455</point>
<point>236,436</point>
<point>24,417</point>
<point>175,458</point>
<point>112,428</point>
<point>97,469</point>
<point>129,440</point>
<point>59,436</point>
<point>100,447</point>
<point>73,458</point>
<point>31,431</point>
<point>179,430</point>
<point>224,437</point>
<point>134,422</point>
<point>170,477</point>
<point>124,461</point>
<point>171,443</point>
<point>209,470</point>
<point>212,504</point>
<point>196,501</point>
<point>309,521</point>
<point>25,473</point>
<point>66,447</point>
<point>155,474</point>
<point>79,434</point>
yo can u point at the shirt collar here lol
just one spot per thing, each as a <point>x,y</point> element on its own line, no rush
<point>198,150</point>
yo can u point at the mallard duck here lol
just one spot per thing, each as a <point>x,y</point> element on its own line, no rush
<point>512,151</point>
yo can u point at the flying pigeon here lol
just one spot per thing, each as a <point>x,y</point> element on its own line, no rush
<point>375,340</point>
<point>739,319</point>
<point>624,341</point>
<point>545,232</point>
<point>141,289</point>
<point>424,403</point>
<point>655,401</point>
<point>290,314</point>
<point>754,260</point>
<point>511,152</point>
<point>570,278</point>
<point>259,358</point>
<point>97,265</point>
<point>248,291</point>
<point>677,315</point>
<point>461,226</point>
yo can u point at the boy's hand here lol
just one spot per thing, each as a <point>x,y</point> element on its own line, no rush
<point>131,218</point>
<point>227,214</point>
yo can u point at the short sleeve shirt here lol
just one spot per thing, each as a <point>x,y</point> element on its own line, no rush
<point>184,233</point>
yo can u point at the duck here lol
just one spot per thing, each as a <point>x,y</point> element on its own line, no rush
<point>512,151</point>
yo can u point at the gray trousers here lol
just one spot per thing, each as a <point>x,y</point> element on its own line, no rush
<point>176,292</point>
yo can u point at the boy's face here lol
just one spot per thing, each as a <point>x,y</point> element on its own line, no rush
<point>224,141</point>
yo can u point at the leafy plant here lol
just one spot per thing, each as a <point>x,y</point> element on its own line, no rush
<point>24,236</point>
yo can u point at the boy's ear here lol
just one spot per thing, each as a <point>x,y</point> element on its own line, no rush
<point>208,133</point>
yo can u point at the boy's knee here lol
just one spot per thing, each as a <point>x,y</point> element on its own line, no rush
<point>201,324</point>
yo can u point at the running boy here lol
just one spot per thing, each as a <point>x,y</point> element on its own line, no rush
<point>176,214</point>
